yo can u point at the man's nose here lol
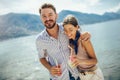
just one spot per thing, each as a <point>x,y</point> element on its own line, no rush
<point>47,18</point>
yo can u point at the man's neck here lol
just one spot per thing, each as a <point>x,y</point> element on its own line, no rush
<point>54,31</point>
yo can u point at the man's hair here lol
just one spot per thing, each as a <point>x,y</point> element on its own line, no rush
<point>47,5</point>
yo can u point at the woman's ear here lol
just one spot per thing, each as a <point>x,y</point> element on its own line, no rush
<point>78,27</point>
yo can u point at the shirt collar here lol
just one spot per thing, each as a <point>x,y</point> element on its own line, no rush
<point>60,31</point>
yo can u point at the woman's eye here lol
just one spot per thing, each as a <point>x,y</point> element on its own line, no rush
<point>65,32</point>
<point>70,30</point>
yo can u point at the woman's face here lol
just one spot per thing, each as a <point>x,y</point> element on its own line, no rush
<point>70,30</point>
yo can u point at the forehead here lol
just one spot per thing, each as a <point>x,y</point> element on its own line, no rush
<point>69,26</point>
<point>47,11</point>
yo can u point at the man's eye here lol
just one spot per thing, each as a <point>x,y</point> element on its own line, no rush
<point>50,15</point>
<point>44,16</point>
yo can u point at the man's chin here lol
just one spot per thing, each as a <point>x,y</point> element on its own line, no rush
<point>49,26</point>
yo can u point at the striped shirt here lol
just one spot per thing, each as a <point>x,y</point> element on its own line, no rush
<point>55,50</point>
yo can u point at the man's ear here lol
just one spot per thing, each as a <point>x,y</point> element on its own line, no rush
<point>56,15</point>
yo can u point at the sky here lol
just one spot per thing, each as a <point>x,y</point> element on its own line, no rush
<point>85,6</point>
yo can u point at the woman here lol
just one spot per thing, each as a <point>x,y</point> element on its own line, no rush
<point>84,57</point>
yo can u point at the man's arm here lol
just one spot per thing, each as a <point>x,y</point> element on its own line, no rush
<point>45,63</point>
<point>52,69</point>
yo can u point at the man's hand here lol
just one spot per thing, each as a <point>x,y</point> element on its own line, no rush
<point>85,36</point>
<point>55,70</point>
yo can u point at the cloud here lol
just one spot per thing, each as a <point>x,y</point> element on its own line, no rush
<point>114,9</point>
<point>32,6</point>
<point>87,2</point>
<point>8,3</point>
<point>19,6</point>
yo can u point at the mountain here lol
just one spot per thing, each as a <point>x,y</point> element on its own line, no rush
<point>15,25</point>
<point>118,11</point>
<point>85,18</point>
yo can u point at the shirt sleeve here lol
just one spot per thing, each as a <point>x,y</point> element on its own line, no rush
<point>40,49</point>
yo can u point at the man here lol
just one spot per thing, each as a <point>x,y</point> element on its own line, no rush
<point>52,45</point>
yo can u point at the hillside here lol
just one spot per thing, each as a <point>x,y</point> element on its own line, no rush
<point>14,25</point>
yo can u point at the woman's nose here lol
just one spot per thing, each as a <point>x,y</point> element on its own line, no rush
<point>69,34</point>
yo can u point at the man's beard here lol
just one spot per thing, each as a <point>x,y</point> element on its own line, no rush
<point>48,25</point>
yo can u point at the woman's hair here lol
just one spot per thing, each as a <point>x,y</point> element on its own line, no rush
<point>70,19</point>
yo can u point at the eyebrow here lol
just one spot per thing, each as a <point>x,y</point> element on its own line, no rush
<point>48,13</point>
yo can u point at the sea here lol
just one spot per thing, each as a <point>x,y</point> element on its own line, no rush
<point>19,58</point>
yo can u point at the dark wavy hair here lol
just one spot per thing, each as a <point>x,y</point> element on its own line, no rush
<point>47,5</point>
<point>70,19</point>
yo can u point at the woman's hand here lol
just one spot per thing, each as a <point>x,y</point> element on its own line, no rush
<point>75,61</point>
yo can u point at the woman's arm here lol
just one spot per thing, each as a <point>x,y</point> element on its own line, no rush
<point>87,45</point>
<point>91,53</point>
